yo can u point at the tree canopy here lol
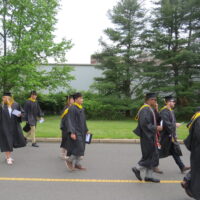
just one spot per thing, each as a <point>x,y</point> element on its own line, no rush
<point>26,40</point>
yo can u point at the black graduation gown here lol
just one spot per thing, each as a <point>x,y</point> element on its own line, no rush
<point>193,144</point>
<point>32,112</point>
<point>147,130</point>
<point>169,131</point>
<point>63,127</point>
<point>10,129</point>
<point>76,123</point>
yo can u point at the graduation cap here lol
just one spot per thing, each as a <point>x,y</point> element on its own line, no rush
<point>169,98</point>
<point>77,95</point>
<point>151,95</point>
<point>8,94</point>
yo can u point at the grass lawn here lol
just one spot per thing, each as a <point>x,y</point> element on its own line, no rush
<point>101,129</point>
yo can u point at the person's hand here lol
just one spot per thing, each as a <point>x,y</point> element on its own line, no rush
<point>178,125</point>
<point>73,136</point>
<point>156,107</point>
<point>159,128</point>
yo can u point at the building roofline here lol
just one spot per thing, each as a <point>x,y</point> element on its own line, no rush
<point>67,64</point>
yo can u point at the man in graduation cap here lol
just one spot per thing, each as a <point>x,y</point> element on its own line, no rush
<point>32,113</point>
<point>77,130</point>
<point>11,135</point>
<point>168,141</point>
<point>191,182</point>
<point>147,130</point>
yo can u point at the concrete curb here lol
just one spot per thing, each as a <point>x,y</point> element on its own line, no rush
<point>113,141</point>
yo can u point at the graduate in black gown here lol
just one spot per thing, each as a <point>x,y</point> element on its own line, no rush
<point>33,113</point>
<point>77,130</point>
<point>191,182</point>
<point>63,124</point>
<point>168,141</point>
<point>147,130</point>
<point>11,135</point>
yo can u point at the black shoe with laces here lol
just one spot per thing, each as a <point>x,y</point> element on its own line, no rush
<point>137,173</point>
<point>153,180</point>
<point>35,145</point>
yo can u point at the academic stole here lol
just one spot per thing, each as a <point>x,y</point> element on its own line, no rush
<point>78,105</point>
<point>193,119</point>
<point>64,113</point>
<point>30,99</point>
<point>154,119</point>
<point>144,106</point>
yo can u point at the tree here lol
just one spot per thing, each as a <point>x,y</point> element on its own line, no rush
<point>173,44</point>
<point>119,56</point>
<point>26,41</point>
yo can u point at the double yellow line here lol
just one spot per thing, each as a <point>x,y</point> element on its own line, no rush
<point>80,180</point>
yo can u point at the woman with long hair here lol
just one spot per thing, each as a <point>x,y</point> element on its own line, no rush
<point>63,146</point>
<point>11,135</point>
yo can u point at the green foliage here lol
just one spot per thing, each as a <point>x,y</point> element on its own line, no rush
<point>164,58</point>
<point>101,129</point>
<point>26,41</point>
<point>106,107</point>
<point>173,45</point>
<point>119,56</point>
<point>96,106</point>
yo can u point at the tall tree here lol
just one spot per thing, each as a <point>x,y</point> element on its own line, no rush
<point>26,41</point>
<point>120,52</point>
<point>174,45</point>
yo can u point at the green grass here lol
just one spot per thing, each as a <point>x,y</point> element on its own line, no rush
<point>100,129</point>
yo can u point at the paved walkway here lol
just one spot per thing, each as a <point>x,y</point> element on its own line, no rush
<point>39,173</point>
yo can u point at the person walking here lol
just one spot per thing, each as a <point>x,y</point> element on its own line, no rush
<point>77,130</point>
<point>11,135</point>
<point>147,130</point>
<point>32,114</point>
<point>168,141</point>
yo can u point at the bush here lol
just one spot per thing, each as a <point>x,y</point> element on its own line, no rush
<point>100,107</point>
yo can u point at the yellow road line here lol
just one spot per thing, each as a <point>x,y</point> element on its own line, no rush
<point>80,180</point>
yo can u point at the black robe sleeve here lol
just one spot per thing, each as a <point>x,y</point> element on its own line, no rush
<point>26,108</point>
<point>147,125</point>
<point>18,107</point>
<point>169,126</point>
<point>196,130</point>
<point>40,113</point>
<point>70,122</point>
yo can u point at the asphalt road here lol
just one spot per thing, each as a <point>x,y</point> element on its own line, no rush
<point>39,173</point>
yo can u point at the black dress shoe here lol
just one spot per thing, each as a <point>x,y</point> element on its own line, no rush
<point>185,186</point>
<point>137,173</point>
<point>35,145</point>
<point>154,180</point>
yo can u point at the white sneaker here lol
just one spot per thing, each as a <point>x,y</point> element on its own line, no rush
<point>9,161</point>
<point>10,158</point>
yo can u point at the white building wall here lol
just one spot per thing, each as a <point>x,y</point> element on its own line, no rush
<point>84,75</point>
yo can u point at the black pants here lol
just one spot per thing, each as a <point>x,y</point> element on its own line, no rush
<point>177,159</point>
